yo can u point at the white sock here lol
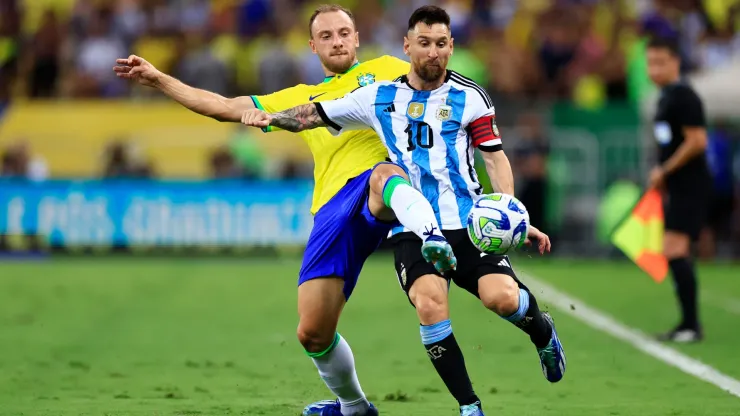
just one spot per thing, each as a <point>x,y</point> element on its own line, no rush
<point>337,369</point>
<point>411,208</point>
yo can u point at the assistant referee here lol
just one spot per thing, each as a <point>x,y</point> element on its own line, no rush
<point>683,175</point>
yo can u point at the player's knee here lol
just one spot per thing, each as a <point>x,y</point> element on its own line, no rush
<point>314,339</point>
<point>382,173</point>
<point>500,296</point>
<point>431,307</point>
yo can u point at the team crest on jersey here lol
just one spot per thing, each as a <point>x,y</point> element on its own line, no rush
<point>366,79</point>
<point>415,110</point>
<point>444,112</point>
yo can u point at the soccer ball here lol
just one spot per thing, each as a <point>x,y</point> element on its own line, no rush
<point>498,223</point>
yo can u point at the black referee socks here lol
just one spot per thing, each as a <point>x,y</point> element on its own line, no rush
<point>686,287</point>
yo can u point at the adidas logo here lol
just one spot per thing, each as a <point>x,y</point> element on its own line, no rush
<point>390,109</point>
<point>504,263</point>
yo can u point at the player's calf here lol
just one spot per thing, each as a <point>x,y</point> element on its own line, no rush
<point>320,302</point>
<point>527,317</point>
<point>517,305</point>
<point>429,295</point>
<point>500,295</point>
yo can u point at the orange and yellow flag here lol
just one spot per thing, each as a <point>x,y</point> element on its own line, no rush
<point>640,236</point>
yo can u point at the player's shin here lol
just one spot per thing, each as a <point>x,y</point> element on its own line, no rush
<point>529,319</point>
<point>336,367</point>
<point>448,360</point>
<point>411,207</point>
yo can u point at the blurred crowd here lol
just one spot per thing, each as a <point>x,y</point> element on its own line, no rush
<point>522,51</point>
<point>550,48</point>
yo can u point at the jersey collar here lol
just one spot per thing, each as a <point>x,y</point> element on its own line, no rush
<point>331,77</point>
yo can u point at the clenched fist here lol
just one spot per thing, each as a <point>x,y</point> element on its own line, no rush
<point>256,118</point>
<point>138,69</point>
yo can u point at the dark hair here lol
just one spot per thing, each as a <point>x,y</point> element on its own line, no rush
<point>429,15</point>
<point>669,44</point>
<point>328,8</point>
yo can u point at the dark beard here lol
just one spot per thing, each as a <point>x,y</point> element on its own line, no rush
<point>430,73</point>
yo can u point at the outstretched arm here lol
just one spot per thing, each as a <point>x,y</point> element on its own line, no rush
<point>200,101</point>
<point>204,102</point>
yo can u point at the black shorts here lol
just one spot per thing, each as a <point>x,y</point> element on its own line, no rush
<point>686,211</point>
<point>471,263</point>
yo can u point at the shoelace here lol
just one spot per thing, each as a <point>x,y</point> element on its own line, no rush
<point>427,232</point>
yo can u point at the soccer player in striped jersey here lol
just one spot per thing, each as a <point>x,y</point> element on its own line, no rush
<point>430,120</point>
<point>358,197</point>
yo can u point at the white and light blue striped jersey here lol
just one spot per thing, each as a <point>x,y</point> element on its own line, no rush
<point>427,133</point>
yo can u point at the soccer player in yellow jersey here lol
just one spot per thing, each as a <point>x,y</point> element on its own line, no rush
<point>358,197</point>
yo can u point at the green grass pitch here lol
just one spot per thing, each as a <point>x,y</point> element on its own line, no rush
<point>217,337</point>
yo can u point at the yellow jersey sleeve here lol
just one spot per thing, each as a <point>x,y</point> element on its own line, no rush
<point>281,100</point>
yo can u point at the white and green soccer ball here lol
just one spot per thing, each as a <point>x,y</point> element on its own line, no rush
<point>498,223</point>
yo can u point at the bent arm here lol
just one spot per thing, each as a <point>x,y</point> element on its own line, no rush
<point>694,144</point>
<point>205,102</point>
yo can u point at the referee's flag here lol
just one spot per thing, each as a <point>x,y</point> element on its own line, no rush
<point>640,236</point>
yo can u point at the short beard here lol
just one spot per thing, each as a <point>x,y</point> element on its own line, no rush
<point>340,68</point>
<point>430,74</point>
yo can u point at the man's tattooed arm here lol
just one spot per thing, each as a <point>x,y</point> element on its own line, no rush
<point>303,117</point>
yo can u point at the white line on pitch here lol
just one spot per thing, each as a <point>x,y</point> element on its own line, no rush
<point>728,304</point>
<point>639,340</point>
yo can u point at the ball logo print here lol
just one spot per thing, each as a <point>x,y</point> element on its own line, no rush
<point>498,223</point>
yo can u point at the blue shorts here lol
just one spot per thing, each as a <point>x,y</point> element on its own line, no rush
<point>344,235</point>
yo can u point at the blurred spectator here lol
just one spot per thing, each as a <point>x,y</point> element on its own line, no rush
<point>559,44</point>
<point>719,156</point>
<point>225,166</point>
<point>530,166</point>
<point>540,48</point>
<point>120,163</point>
<point>18,162</point>
<point>197,66</point>
<point>9,46</point>
<point>43,57</point>
<point>95,55</point>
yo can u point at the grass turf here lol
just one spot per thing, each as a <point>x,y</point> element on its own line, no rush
<point>216,337</point>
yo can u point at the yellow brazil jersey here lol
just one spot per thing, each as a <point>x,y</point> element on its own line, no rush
<point>337,159</point>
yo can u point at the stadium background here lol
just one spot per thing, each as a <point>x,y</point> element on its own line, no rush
<point>91,165</point>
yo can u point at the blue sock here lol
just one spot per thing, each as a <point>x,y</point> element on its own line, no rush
<point>521,312</point>
<point>431,334</point>
<point>529,319</point>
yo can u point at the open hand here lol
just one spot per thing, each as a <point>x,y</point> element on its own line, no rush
<point>256,118</point>
<point>137,69</point>
<point>542,239</point>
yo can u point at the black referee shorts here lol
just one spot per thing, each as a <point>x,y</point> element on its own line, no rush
<point>686,210</point>
<point>471,263</point>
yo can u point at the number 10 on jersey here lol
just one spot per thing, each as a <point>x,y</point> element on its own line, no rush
<point>420,134</point>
